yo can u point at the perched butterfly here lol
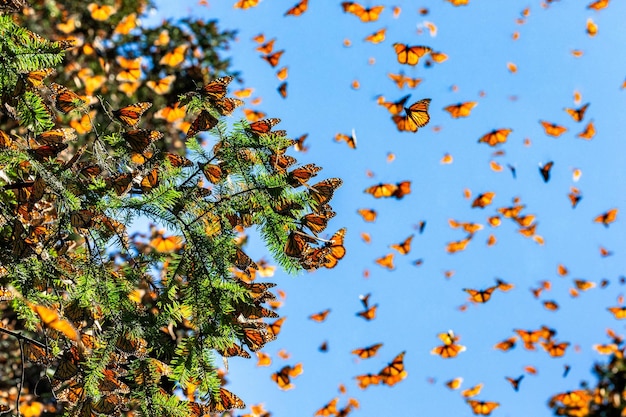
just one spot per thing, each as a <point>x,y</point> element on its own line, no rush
<point>480,296</point>
<point>262,127</point>
<point>553,129</point>
<point>410,55</point>
<point>216,89</point>
<point>416,116</point>
<point>316,223</point>
<point>323,191</point>
<point>130,115</point>
<point>43,152</point>
<point>495,137</point>
<point>369,14</point>
<point>204,121</point>
<point>607,217</point>
<point>256,335</point>
<point>544,170</point>
<point>274,58</point>
<point>140,139</point>
<point>367,352</point>
<point>65,100</point>
<point>298,9</point>
<point>225,400</point>
<point>302,174</point>
<point>460,109</point>
<point>337,250</point>
<point>483,408</point>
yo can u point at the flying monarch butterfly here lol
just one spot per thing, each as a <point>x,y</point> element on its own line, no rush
<point>216,90</point>
<point>404,247</point>
<point>552,129</point>
<point>401,80</point>
<point>167,244</point>
<point>618,312</point>
<point>253,115</point>
<point>337,250</point>
<point>274,58</point>
<point>369,313</point>
<point>246,4</point>
<point>130,115</point>
<point>64,99</point>
<point>495,137</point>
<point>175,57</point>
<point>459,2</point>
<point>438,57</point>
<point>367,352</point>
<point>140,139</point>
<point>50,318</point>
<point>598,4</point>
<point>416,116</point>
<point>298,9</point>
<point>267,47</point>
<point>130,69</point>
<point>410,55</point>
<point>369,215</point>
<point>556,350</point>
<point>588,133</point>
<point>162,86</point>
<point>460,109</point>
<point>329,409</point>
<point>574,196</point>
<point>577,114</point>
<point>321,316</point>
<point>282,89</point>
<point>225,400</point>
<point>381,190</point>
<point>370,14</point>
<point>483,200</point>
<point>480,296</point>
<point>395,107</point>
<point>544,170</point>
<point>402,188</point>
<point>101,12</point>
<point>394,372</point>
<point>376,37</point>
<point>350,140</point>
<point>607,217</point>
<point>323,191</point>
<point>204,121</point>
<point>366,380</point>
<point>386,261</point>
<point>274,328</point>
<point>284,375</point>
<point>483,408</point>
<point>506,344</point>
<point>473,391</point>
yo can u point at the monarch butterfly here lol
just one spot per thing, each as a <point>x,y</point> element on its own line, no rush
<point>284,375</point>
<point>267,47</point>
<point>588,133</point>
<point>350,140</point>
<point>401,80</point>
<point>506,344</point>
<point>473,391</point>
<point>43,152</point>
<point>274,58</point>
<point>297,244</point>
<point>37,354</point>
<point>64,99</point>
<point>574,196</point>
<point>56,136</point>
<point>253,115</point>
<point>480,296</point>
<point>598,4</point>
<point>369,14</point>
<point>416,116</point>
<point>369,215</point>
<point>6,294</point>
<point>584,285</point>
<point>460,109</point>
<point>367,352</point>
<point>130,69</point>
<point>162,86</point>
<point>121,183</point>
<point>130,115</point>
<point>204,121</point>
<point>321,316</point>
<point>302,174</point>
<point>376,37</point>
<point>70,392</point>
<point>262,127</point>
<point>366,380</point>
<point>253,312</point>
<point>556,350</point>
<point>386,261</point>
<point>381,190</point>
<point>483,407</point>
<point>402,188</point>
<point>245,4</point>
<point>298,9</point>
<point>82,218</point>
<point>503,286</point>
<point>454,383</point>
<point>35,78</point>
<point>577,114</point>
<point>50,318</point>
<point>216,89</point>
<point>438,57</point>
<point>483,200</point>
<point>607,217</point>
<point>128,346</point>
<point>404,247</point>
<point>459,2</point>
<point>394,372</point>
<point>395,107</point>
<point>255,336</point>
<point>410,55</point>
<point>111,385</point>
<point>495,137</point>
<point>167,244</point>
<point>101,13</point>
<point>274,328</point>
<point>618,312</point>
<point>544,170</point>
<point>369,313</point>
<point>140,139</point>
<point>330,409</point>
<point>234,350</point>
<point>282,89</point>
<point>316,223</point>
<point>225,400</point>
<point>323,191</point>
<point>175,57</point>
<point>553,129</point>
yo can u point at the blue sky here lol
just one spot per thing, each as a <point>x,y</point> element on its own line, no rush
<point>417,303</point>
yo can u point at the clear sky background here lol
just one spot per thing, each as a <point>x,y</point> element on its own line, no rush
<point>418,302</point>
